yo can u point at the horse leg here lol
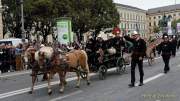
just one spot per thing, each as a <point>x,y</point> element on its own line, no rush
<point>49,75</point>
<point>78,80</point>
<point>62,81</point>
<point>45,77</point>
<point>88,77</point>
<point>34,76</point>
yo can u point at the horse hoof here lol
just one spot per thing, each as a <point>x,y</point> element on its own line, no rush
<point>61,92</point>
<point>49,93</point>
<point>77,87</point>
<point>30,92</point>
<point>88,83</point>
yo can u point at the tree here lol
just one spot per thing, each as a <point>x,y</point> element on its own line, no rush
<point>156,29</point>
<point>11,18</point>
<point>40,13</point>
<point>174,23</point>
<point>85,14</point>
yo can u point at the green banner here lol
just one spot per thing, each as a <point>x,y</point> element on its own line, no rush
<point>64,29</point>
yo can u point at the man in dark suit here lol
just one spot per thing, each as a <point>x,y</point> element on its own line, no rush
<point>165,49</point>
<point>138,53</point>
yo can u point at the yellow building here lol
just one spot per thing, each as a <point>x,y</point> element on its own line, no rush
<point>131,19</point>
<point>155,14</point>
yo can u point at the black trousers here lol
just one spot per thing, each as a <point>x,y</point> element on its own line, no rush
<point>166,59</point>
<point>174,51</point>
<point>135,62</point>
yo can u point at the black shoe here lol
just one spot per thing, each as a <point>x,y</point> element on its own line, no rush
<point>141,84</point>
<point>166,71</point>
<point>131,85</point>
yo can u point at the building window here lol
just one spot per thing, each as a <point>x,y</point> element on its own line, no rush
<point>120,14</point>
<point>127,16</point>
<point>131,26</point>
<point>124,15</point>
<point>159,17</point>
<point>174,14</point>
<point>144,27</point>
<point>154,23</point>
<point>149,18</point>
<point>150,24</point>
<point>154,17</point>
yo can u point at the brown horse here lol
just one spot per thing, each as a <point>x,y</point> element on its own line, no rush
<point>36,61</point>
<point>74,61</point>
<point>150,47</point>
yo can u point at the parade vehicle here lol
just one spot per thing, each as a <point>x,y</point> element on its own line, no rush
<point>107,58</point>
<point>110,59</point>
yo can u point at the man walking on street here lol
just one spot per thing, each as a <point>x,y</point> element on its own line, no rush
<point>174,45</point>
<point>165,49</point>
<point>138,52</point>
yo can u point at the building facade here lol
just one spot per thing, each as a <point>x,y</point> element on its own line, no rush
<point>156,14</point>
<point>131,19</point>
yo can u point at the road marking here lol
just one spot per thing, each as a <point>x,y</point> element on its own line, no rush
<point>29,71</point>
<point>25,90</point>
<point>151,78</point>
<point>65,96</point>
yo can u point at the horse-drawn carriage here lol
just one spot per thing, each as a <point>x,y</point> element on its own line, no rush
<point>107,58</point>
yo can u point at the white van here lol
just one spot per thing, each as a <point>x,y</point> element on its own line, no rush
<point>13,41</point>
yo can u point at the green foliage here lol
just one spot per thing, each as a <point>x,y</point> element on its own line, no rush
<point>85,14</point>
<point>156,29</point>
<point>174,23</point>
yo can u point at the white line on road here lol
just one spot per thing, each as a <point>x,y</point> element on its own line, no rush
<point>21,91</point>
<point>25,90</point>
<point>28,72</point>
<point>65,96</point>
<point>151,78</point>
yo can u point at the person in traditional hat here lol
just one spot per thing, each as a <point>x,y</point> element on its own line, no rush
<point>165,49</point>
<point>138,53</point>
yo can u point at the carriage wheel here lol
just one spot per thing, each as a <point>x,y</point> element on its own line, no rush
<point>102,72</point>
<point>119,65</point>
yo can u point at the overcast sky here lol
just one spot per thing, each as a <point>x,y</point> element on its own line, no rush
<point>147,4</point>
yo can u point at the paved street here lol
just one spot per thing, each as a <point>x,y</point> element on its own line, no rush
<point>158,86</point>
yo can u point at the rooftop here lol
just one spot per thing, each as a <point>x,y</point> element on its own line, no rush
<point>131,7</point>
<point>164,9</point>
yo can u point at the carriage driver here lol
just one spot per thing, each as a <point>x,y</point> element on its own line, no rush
<point>138,52</point>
